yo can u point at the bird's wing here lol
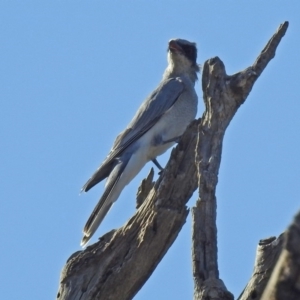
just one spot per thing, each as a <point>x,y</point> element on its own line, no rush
<point>152,109</point>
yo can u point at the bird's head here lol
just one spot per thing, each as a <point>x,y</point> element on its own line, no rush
<point>182,56</point>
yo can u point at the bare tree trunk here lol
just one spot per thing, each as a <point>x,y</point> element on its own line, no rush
<point>276,274</point>
<point>223,95</point>
<point>267,253</point>
<point>285,279</point>
<point>119,264</point>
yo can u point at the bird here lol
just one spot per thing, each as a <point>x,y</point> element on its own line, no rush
<point>157,125</point>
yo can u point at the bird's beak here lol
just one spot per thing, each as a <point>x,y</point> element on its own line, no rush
<point>174,47</point>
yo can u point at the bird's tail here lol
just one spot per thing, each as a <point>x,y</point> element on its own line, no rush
<point>94,221</point>
<point>102,172</point>
<point>112,191</point>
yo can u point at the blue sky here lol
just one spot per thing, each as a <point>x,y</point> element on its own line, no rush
<point>73,73</point>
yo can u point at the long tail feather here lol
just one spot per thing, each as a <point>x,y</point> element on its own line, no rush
<point>102,172</point>
<point>110,195</point>
<point>95,223</point>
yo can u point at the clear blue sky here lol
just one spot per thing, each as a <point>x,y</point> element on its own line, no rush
<point>73,74</point>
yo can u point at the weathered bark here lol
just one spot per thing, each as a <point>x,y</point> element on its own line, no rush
<point>223,95</point>
<point>267,253</point>
<point>276,274</point>
<point>119,264</point>
<point>284,283</point>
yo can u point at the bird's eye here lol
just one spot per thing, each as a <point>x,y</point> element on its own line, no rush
<point>190,52</point>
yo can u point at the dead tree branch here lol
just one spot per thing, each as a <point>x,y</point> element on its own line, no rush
<point>223,95</point>
<point>276,273</point>
<point>267,253</point>
<point>285,279</point>
<point>119,264</point>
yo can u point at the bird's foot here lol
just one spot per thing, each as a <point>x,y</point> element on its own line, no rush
<point>158,166</point>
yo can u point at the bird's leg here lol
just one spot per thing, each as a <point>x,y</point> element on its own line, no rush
<point>158,165</point>
<point>176,140</point>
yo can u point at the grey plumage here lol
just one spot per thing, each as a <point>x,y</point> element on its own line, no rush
<point>159,122</point>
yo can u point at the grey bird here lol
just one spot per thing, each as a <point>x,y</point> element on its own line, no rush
<point>157,125</point>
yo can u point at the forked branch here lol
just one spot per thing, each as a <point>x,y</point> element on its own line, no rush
<point>119,264</point>
<point>223,95</point>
